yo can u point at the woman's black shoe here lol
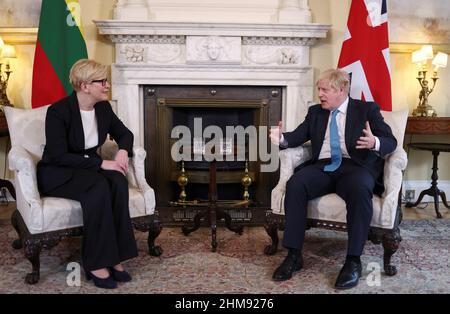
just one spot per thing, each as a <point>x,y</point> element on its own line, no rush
<point>120,276</point>
<point>105,283</point>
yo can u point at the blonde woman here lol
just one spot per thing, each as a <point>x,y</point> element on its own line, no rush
<point>71,168</point>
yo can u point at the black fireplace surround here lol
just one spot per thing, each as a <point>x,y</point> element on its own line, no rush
<point>168,106</point>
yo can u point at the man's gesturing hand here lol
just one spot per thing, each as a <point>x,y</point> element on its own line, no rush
<point>275,134</point>
<point>368,140</point>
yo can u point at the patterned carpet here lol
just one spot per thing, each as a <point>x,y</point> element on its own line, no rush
<point>188,266</point>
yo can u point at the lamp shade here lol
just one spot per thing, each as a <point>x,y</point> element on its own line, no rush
<point>428,51</point>
<point>418,57</point>
<point>440,61</point>
<point>8,52</point>
<point>1,45</point>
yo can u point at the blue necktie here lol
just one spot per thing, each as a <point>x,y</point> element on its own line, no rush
<point>335,145</point>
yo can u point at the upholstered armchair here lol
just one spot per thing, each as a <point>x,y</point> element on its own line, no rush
<point>329,211</point>
<point>41,222</point>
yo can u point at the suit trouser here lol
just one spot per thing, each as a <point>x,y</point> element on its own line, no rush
<point>108,236</point>
<point>352,182</point>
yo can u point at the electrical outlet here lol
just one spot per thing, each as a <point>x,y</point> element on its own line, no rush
<point>409,195</point>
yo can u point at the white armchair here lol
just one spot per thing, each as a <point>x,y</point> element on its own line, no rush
<point>329,211</point>
<point>41,222</point>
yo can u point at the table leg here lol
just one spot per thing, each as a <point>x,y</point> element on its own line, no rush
<point>434,178</point>
<point>186,230</point>
<point>433,191</point>
<point>213,218</point>
<point>237,229</point>
<point>444,199</point>
<point>419,199</point>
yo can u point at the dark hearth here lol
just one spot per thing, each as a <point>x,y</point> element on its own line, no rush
<point>168,106</point>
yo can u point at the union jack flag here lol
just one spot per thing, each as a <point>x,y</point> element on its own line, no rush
<point>365,52</point>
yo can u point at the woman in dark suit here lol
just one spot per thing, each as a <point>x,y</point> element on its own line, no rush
<point>71,168</point>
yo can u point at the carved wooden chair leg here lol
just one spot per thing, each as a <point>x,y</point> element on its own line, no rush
<point>32,251</point>
<point>271,227</point>
<point>153,233</point>
<point>16,244</point>
<point>391,242</point>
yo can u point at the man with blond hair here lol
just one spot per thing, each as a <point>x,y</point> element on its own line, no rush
<point>349,139</point>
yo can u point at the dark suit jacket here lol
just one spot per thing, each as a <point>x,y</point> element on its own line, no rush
<point>358,112</point>
<point>64,151</point>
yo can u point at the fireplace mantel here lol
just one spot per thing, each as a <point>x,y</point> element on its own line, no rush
<point>185,53</point>
<point>115,28</point>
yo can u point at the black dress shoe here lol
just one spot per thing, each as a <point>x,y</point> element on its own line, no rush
<point>120,276</point>
<point>349,275</point>
<point>105,283</point>
<point>290,265</point>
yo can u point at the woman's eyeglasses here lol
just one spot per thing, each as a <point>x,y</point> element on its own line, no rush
<point>102,81</point>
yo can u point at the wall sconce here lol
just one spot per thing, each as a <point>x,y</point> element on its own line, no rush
<point>6,52</point>
<point>420,58</point>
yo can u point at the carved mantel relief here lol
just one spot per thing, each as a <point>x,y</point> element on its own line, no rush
<point>213,49</point>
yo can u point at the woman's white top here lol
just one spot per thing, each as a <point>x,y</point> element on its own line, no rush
<point>89,122</point>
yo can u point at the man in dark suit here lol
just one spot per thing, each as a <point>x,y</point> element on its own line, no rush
<point>349,139</point>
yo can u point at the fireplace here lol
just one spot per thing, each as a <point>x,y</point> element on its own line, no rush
<point>152,57</point>
<point>166,107</point>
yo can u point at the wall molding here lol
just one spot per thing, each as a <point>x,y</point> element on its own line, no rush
<point>408,48</point>
<point>19,35</point>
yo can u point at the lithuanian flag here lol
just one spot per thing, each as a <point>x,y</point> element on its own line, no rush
<point>60,44</point>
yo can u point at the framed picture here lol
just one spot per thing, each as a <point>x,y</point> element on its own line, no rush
<point>20,13</point>
<point>419,22</point>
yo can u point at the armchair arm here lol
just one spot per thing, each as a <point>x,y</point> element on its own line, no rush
<point>289,159</point>
<point>24,166</point>
<point>108,151</point>
<point>136,172</point>
<point>394,166</point>
<point>138,165</point>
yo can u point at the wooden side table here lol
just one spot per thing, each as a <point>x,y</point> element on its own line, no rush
<point>433,191</point>
<point>4,132</point>
<point>428,125</point>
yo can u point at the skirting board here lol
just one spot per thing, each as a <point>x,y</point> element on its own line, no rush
<point>419,186</point>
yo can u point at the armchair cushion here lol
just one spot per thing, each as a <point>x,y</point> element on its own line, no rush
<point>27,129</point>
<point>331,207</point>
<point>43,214</point>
